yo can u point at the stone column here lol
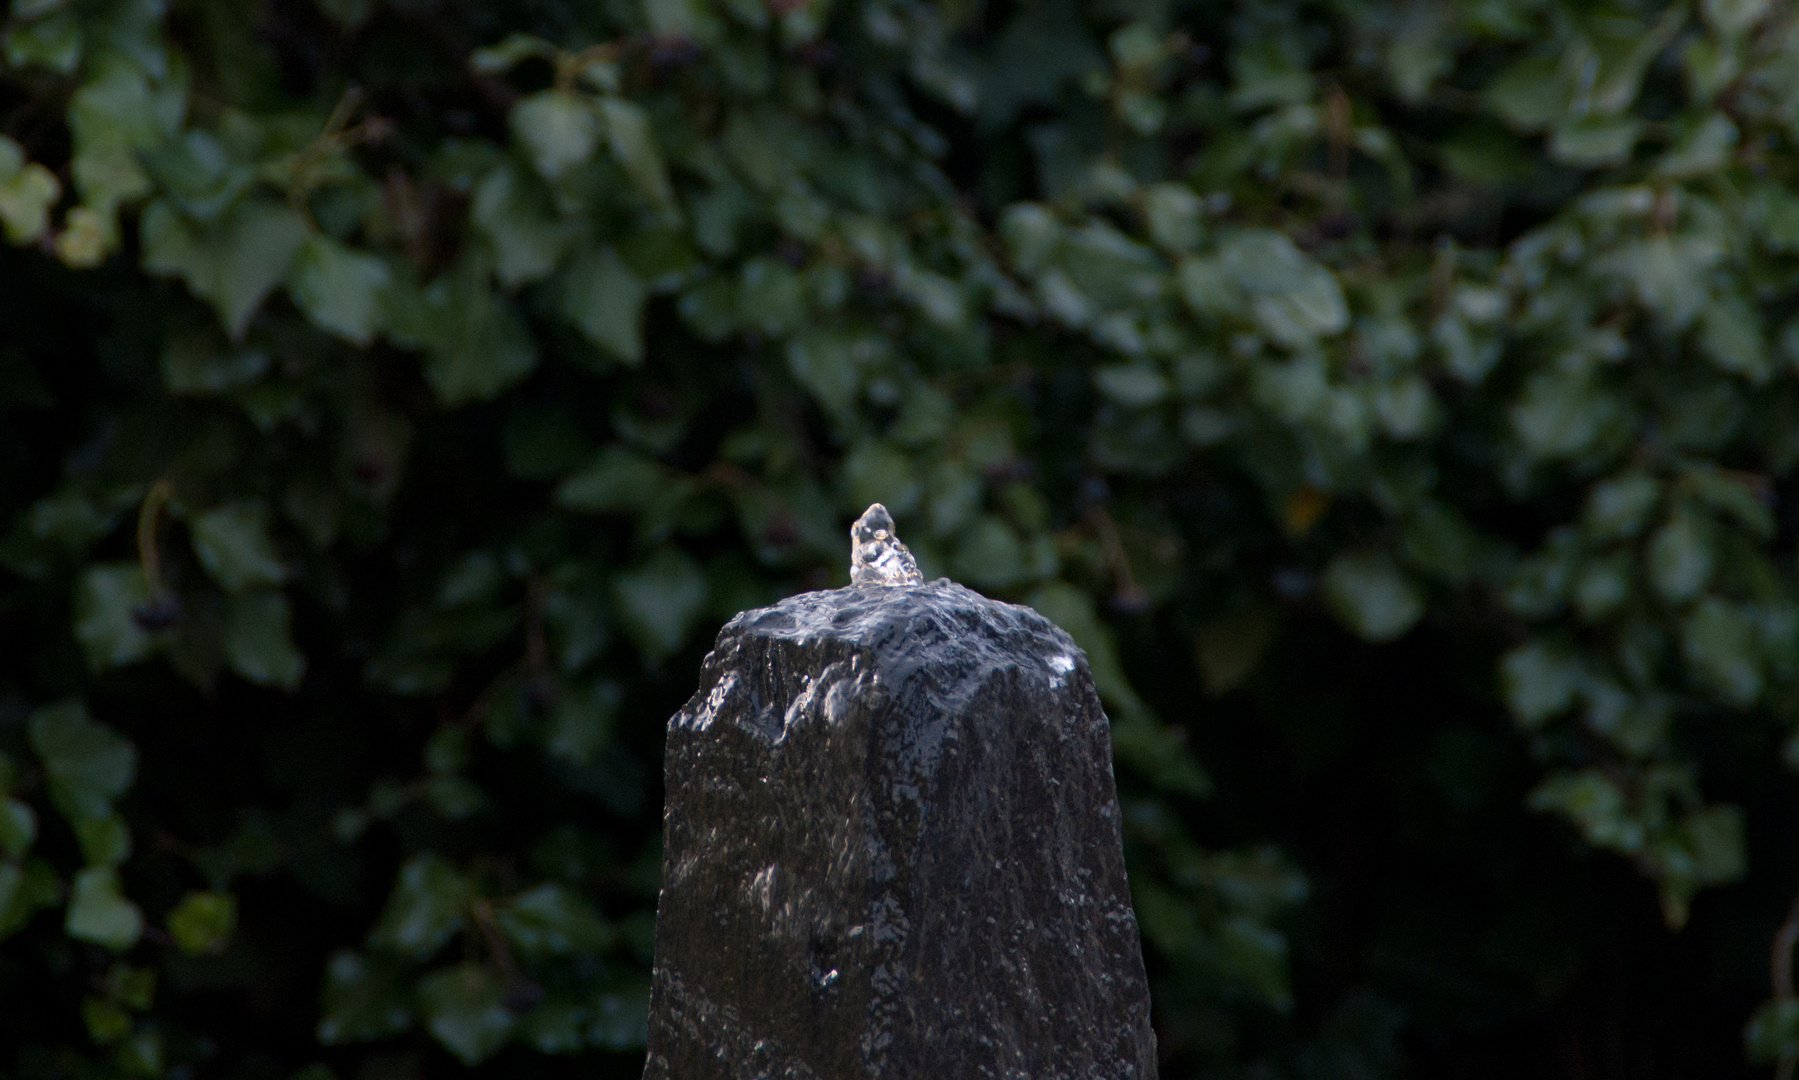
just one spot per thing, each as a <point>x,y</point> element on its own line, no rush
<point>892,851</point>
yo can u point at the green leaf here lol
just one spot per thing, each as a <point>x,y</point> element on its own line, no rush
<point>990,555</point>
<point>1530,93</point>
<point>1720,642</point>
<point>1593,141</point>
<point>53,43</point>
<point>105,841</point>
<point>18,830</point>
<point>1618,508</point>
<point>581,725</point>
<point>1135,385</point>
<point>363,999</point>
<point>551,918</point>
<point>232,543</point>
<point>426,908</point>
<point>258,644</point>
<point>555,1026</point>
<point>24,891</point>
<point>234,263</point>
<point>1730,335</point>
<point>476,344</point>
<point>659,601</point>
<point>339,289</point>
<point>106,602</point>
<point>98,913</point>
<point>617,481</point>
<point>1705,148</point>
<point>877,472</point>
<point>1730,17</point>
<point>27,191</point>
<point>620,1021</point>
<point>1539,681</point>
<point>628,133</point>
<point>1370,595</point>
<point>115,114</point>
<point>1680,558</point>
<point>515,215</point>
<point>465,1010</point>
<point>88,765</point>
<point>203,364</point>
<point>604,300</point>
<point>203,921</point>
<point>1171,212</point>
<point>558,130</point>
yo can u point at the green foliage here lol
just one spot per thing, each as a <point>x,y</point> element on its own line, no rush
<point>464,366</point>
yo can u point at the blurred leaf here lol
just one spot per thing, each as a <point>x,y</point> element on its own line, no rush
<point>339,289</point>
<point>464,1010</point>
<point>258,644</point>
<point>425,909</point>
<point>604,300</point>
<point>659,601</point>
<point>27,191</point>
<point>618,481</point>
<point>203,921</point>
<point>232,542</point>
<point>628,133</point>
<point>18,830</point>
<point>88,765</point>
<point>1229,649</point>
<point>363,999</point>
<point>234,263</point>
<point>99,914</point>
<point>551,918</point>
<point>106,605</point>
<point>1371,596</point>
<point>558,131</point>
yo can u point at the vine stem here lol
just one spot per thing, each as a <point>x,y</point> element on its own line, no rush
<point>149,515</point>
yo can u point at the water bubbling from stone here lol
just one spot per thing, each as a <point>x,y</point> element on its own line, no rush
<point>876,555</point>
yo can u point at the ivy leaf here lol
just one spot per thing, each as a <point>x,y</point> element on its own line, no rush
<point>106,602</point>
<point>1371,596</point>
<point>426,908</point>
<point>558,131</point>
<point>1680,558</point>
<point>27,191</point>
<point>232,543</point>
<point>604,300</point>
<point>465,1010</point>
<point>53,43</point>
<point>515,215</point>
<point>551,918</point>
<point>475,343</point>
<point>24,891</point>
<point>105,841</point>
<point>659,601</point>
<point>1538,682</point>
<point>233,263</point>
<point>257,641</point>
<point>98,913</point>
<point>339,289</point>
<point>617,481</point>
<point>18,830</point>
<point>88,764</point>
<point>202,922</point>
<point>628,133</point>
<point>363,999</point>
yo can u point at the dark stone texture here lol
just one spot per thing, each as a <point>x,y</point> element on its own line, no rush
<point>892,851</point>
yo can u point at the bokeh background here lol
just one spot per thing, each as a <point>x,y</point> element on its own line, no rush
<point>1398,401</point>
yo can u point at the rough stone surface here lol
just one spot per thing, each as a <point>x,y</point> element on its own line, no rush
<point>892,851</point>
